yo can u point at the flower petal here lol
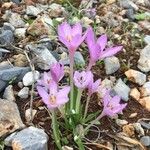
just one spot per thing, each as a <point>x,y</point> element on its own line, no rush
<point>102,41</point>
<point>76,29</point>
<point>64,41</point>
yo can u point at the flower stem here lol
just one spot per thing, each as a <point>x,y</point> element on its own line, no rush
<point>56,130</point>
<point>86,106</point>
<point>78,100</point>
<point>71,82</point>
<point>94,121</point>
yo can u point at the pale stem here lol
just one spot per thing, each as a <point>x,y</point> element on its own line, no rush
<point>71,81</point>
<point>94,121</point>
<point>86,106</point>
<point>89,66</point>
<point>55,130</point>
<point>78,100</point>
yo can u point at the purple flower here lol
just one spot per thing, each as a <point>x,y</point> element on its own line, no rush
<point>93,86</point>
<point>71,36</point>
<point>82,79</point>
<point>57,72</point>
<point>97,49</point>
<point>46,79</point>
<point>112,105</point>
<point>54,98</point>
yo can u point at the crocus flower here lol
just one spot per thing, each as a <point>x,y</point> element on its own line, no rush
<point>82,79</point>
<point>71,37</point>
<point>93,86</point>
<point>57,72</point>
<point>97,48</point>
<point>54,98</point>
<point>112,105</point>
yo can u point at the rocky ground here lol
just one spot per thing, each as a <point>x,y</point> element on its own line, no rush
<point>29,45</point>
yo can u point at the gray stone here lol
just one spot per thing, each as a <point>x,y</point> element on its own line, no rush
<point>145,89</point>
<point>9,93</point>
<point>147,39</point>
<point>5,65</point>
<point>30,77</point>
<point>44,56</point>
<point>139,129</point>
<point>127,4</point>
<point>145,140</point>
<point>144,60</point>
<point>130,14</point>
<point>20,33</point>
<point>32,11</point>
<point>8,26</point>
<point>12,74</point>
<point>122,90</point>
<point>111,64</point>
<point>16,1</point>
<point>10,120</point>
<point>79,60</point>
<point>30,138</point>
<point>16,20</point>
<point>145,125</point>
<point>24,93</point>
<point>121,122</point>
<point>6,37</point>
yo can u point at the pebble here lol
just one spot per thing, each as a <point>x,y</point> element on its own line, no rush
<point>13,74</point>
<point>147,39</point>
<point>145,140</point>
<point>29,78</point>
<point>24,93</point>
<point>133,115</point>
<point>28,116</point>
<point>9,93</point>
<point>20,33</point>
<point>139,129</point>
<point>10,119</point>
<point>134,93</point>
<point>130,14</point>
<point>144,60</point>
<point>145,125</point>
<point>8,26</point>
<point>136,76</point>
<point>67,148</point>
<point>122,90</point>
<point>145,89</point>
<point>111,65</point>
<point>30,138</point>
<point>5,65</point>
<point>145,102</point>
<point>121,122</point>
<point>32,11</point>
<point>79,60</point>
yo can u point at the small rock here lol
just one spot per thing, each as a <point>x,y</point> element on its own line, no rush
<point>145,125</point>
<point>20,33</point>
<point>24,93</point>
<point>28,116</point>
<point>129,130</point>
<point>145,102</point>
<point>5,65</point>
<point>16,20</point>
<point>136,76</point>
<point>139,129</point>
<point>144,61</point>
<point>32,10</point>
<point>6,37</point>
<point>145,140</point>
<point>45,58</point>
<point>86,21</point>
<point>130,14</point>
<point>145,24</point>
<point>147,39</point>
<point>111,64</point>
<point>133,115</point>
<point>145,89</point>
<point>10,120</point>
<point>14,74</point>
<point>20,85</point>
<point>9,93</point>
<point>134,93</point>
<point>8,26</point>
<point>55,10</point>
<point>30,138</point>
<point>122,90</point>
<point>67,148</point>
<point>79,60</point>
<point>30,77</point>
<point>120,122</point>
<point>16,1</point>
<point>19,60</point>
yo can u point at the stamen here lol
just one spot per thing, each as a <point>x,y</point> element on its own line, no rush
<point>52,100</point>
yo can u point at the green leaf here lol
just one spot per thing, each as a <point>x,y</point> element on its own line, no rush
<point>91,116</point>
<point>142,16</point>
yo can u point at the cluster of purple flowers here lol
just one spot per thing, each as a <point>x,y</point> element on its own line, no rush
<point>72,37</point>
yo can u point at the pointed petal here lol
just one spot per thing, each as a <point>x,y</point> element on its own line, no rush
<point>102,41</point>
<point>64,41</point>
<point>77,29</point>
<point>42,92</point>
<point>90,39</point>
<point>110,51</point>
